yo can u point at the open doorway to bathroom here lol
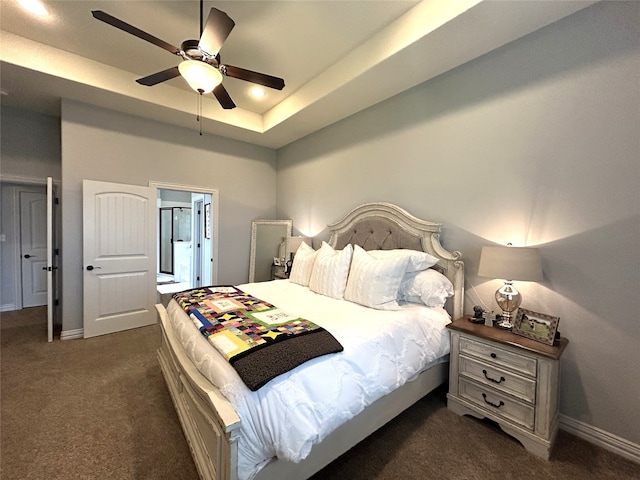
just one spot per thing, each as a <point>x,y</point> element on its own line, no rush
<point>186,240</point>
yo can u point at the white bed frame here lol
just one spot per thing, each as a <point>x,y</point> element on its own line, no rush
<point>209,421</point>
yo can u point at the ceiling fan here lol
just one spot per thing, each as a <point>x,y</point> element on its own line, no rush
<point>201,66</point>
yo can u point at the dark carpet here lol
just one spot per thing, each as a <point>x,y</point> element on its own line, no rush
<point>99,409</point>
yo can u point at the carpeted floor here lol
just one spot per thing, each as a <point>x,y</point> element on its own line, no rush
<point>99,409</point>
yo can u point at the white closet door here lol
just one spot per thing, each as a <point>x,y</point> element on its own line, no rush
<point>33,248</point>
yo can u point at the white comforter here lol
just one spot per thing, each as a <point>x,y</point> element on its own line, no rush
<point>382,351</point>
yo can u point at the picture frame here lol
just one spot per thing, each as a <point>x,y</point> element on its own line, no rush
<point>276,261</point>
<point>207,220</point>
<point>536,326</point>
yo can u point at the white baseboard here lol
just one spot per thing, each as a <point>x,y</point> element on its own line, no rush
<point>608,441</point>
<point>8,307</point>
<point>72,334</point>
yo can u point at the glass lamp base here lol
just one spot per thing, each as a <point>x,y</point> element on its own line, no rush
<point>508,299</point>
<point>505,324</point>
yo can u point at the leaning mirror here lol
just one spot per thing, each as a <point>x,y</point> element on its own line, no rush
<point>267,242</point>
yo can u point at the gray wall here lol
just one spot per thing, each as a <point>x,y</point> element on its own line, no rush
<point>29,144</point>
<point>537,144</point>
<point>29,151</point>
<point>103,145</point>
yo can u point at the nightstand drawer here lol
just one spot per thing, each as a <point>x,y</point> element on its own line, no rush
<point>499,356</point>
<point>485,373</point>
<point>497,403</point>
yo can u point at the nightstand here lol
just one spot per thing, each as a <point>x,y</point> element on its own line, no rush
<point>507,378</point>
<point>277,272</point>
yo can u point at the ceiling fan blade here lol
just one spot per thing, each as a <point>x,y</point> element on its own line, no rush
<point>223,97</point>
<point>159,77</point>
<point>253,77</point>
<point>216,31</point>
<point>115,22</point>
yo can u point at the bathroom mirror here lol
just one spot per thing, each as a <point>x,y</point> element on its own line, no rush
<point>267,242</point>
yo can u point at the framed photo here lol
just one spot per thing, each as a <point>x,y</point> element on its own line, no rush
<point>276,261</point>
<point>207,220</point>
<point>536,326</point>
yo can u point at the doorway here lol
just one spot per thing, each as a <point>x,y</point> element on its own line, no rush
<point>187,242</point>
<point>29,251</point>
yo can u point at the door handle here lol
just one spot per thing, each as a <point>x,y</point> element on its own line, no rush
<point>29,256</point>
<point>91,267</point>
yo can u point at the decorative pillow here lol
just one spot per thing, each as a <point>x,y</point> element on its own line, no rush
<point>330,271</point>
<point>429,287</point>
<point>374,282</point>
<point>303,265</point>
<point>418,261</point>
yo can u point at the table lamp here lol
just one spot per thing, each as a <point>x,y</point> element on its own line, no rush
<point>510,263</point>
<point>292,245</point>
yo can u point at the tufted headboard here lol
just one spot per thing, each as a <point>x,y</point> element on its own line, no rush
<point>383,226</point>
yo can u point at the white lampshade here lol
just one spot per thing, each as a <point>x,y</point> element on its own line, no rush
<point>293,243</point>
<point>200,76</point>
<point>511,263</point>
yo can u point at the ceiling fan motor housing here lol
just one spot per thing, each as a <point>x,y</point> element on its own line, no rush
<point>192,52</point>
<point>190,48</point>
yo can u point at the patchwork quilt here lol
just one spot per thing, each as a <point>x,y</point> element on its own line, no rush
<point>258,339</point>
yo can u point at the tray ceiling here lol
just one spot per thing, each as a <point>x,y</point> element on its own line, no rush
<point>336,57</point>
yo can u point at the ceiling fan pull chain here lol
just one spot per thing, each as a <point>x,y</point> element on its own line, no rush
<point>199,110</point>
<point>197,107</point>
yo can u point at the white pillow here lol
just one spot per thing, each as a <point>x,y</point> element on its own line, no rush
<point>330,271</point>
<point>418,261</point>
<point>429,287</point>
<point>303,265</point>
<point>374,282</point>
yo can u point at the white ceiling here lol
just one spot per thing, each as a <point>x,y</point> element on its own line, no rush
<point>337,57</point>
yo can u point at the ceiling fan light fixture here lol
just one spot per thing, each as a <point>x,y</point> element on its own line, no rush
<point>200,76</point>
<point>35,7</point>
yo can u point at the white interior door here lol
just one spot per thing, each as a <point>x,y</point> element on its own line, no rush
<point>33,248</point>
<point>119,254</point>
<point>197,242</point>
<point>52,259</point>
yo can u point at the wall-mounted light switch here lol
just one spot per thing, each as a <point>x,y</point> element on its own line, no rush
<point>3,237</point>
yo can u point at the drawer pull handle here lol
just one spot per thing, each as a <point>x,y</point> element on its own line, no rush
<point>493,355</point>
<point>502,379</point>
<point>484,395</point>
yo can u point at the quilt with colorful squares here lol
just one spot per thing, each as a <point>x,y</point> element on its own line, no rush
<point>258,339</point>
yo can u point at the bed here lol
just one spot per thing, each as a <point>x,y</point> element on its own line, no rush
<point>215,426</point>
